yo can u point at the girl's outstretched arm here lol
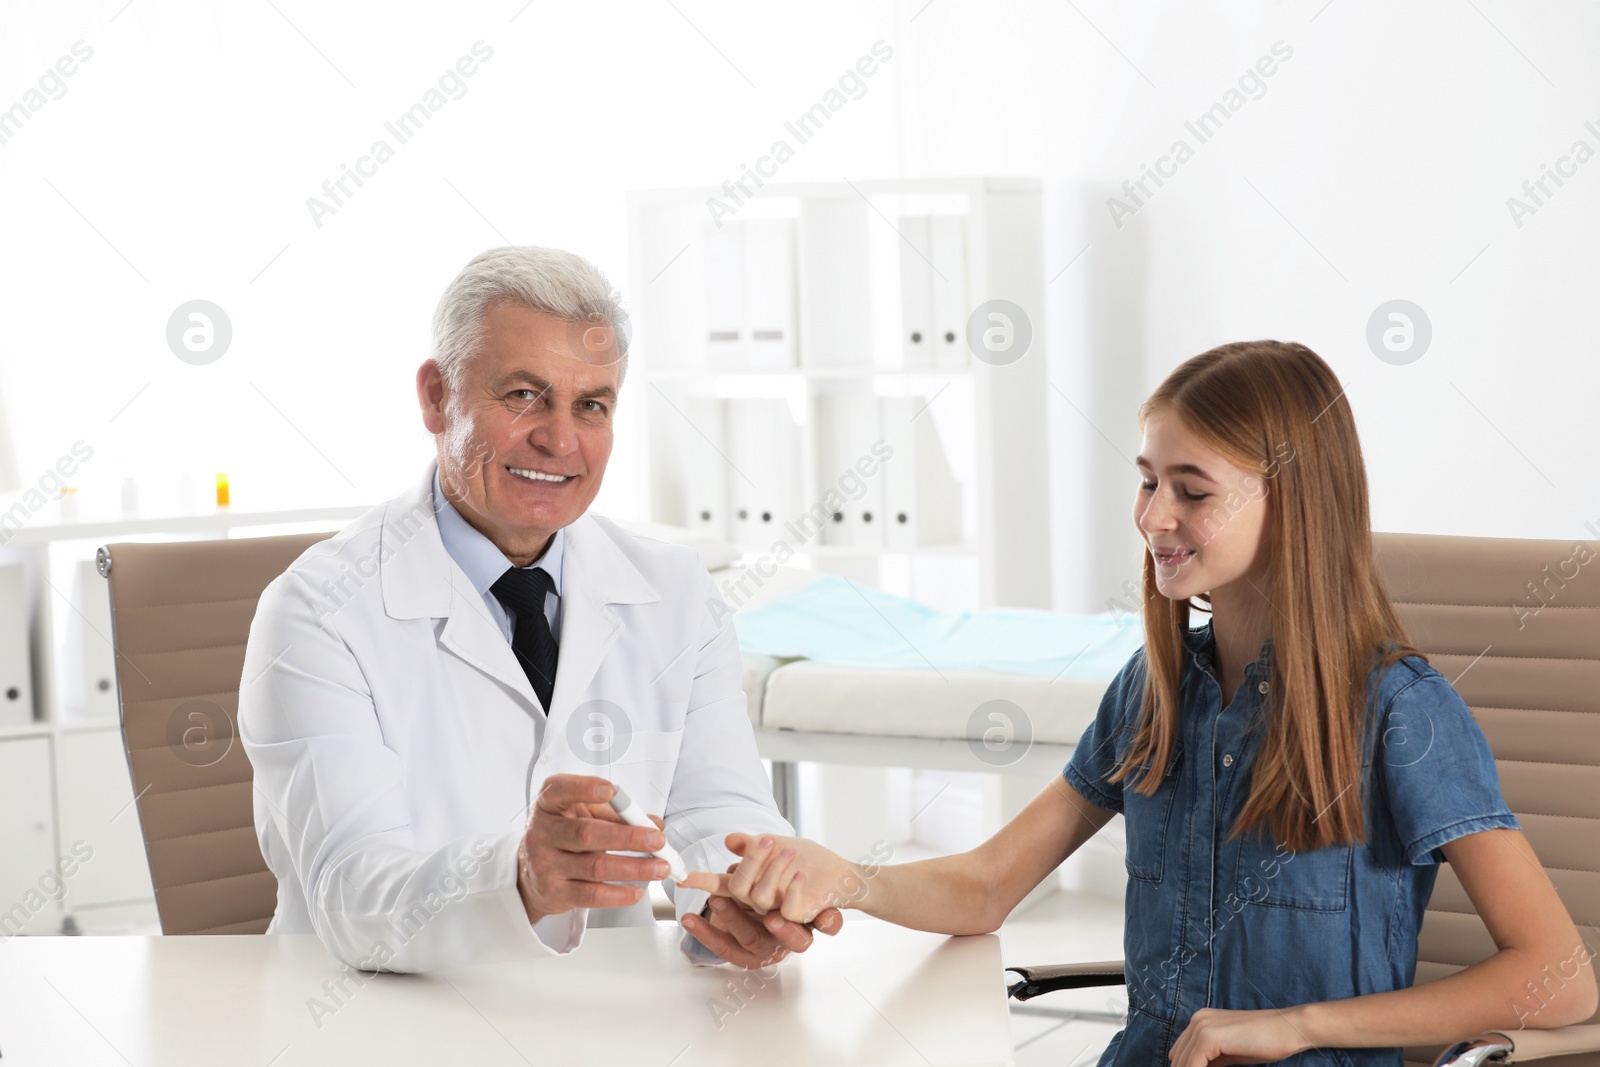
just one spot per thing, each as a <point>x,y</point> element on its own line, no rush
<point>968,893</point>
<point>1539,978</point>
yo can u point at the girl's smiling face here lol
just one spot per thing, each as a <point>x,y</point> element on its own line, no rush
<point>1202,517</point>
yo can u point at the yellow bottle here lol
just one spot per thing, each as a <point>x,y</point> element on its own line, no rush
<point>222,490</point>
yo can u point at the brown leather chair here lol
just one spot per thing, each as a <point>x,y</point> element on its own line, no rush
<point>180,614</point>
<point>1515,625</point>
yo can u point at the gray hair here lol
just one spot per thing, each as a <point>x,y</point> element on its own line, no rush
<point>557,283</point>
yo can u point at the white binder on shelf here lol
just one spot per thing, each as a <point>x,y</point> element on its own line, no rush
<point>89,664</point>
<point>827,433</point>
<point>916,293</point>
<point>922,499</point>
<point>835,266</point>
<point>948,250</point>
<point>769,294</point>
<point>847,428</point>
<point>737,423</point>
<point>764,445</point>
<point>722,264</point>
<point>704,451</point>
<point>16,674</point>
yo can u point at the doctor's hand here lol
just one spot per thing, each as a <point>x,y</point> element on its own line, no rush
<point>564,860</point>
<point>749,938</point>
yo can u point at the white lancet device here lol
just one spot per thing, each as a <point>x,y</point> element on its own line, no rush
<point>634,815</point>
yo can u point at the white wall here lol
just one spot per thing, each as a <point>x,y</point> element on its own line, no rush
<point>1390,140</point>
<point>179,160</point>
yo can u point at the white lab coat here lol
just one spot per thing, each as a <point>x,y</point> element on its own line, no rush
<point>392,735</point>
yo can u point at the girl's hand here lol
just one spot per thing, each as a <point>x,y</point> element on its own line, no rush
<point>797,877</point>
<point>1217,1037</point>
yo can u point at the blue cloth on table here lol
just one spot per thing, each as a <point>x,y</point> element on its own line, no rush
<point>850,625</point>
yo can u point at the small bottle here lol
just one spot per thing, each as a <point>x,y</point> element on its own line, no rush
<point>222,490</point>
<point>130,496</point>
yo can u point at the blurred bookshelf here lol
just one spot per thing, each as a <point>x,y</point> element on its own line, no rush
<point>812,388</point>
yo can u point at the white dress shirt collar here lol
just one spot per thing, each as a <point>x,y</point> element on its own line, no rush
<point>480,559</point>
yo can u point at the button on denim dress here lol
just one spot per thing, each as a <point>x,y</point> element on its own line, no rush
<point>1250,923</point>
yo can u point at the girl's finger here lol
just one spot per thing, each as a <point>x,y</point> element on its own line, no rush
<point>715,884</point>
<point>767,893</point>
<point>754,864</point>
<point>741,844</point>
<point>796,908</point>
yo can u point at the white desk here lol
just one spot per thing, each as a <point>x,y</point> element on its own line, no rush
<point>877,994</point>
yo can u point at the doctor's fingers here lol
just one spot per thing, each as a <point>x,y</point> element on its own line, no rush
<point>560,793</point>
<point>829,920</point>
<point>746,929</point>
<point>569,893</point>
<point>796,937</point>
<point>609,814</point>
<point>572,834</point>
<point>604,867</point>
<point>727,946</point>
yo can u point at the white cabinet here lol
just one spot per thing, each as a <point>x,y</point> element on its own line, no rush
<point>30,882</point>
<point>98,815</point>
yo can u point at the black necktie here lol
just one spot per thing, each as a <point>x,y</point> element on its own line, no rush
<point>523,592</point>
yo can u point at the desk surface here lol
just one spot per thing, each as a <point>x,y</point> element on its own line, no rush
<point>877,994</point>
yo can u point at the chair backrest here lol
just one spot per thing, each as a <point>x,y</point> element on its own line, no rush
<point>180,615</point>
<point>1515,626</point>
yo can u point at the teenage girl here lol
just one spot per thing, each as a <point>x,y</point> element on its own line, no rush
<point>1291,772</point>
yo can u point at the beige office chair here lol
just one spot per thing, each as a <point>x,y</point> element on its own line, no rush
<point>1516,625</point>
<point>180,614</point>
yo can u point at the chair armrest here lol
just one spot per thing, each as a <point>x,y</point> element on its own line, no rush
<point>1039,980</point>
<point>1513,1046</point>
<point>1491,1047</point>
<point>1562,1041</point>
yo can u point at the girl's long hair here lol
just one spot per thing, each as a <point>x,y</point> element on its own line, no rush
<point>1278,410</point>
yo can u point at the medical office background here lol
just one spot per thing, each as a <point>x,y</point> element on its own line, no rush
<point>1409,189</point>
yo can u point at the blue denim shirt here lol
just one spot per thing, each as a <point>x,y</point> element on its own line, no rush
<point>1248,924</point>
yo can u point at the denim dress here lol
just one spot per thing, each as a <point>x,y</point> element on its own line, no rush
<point>1251,924</point>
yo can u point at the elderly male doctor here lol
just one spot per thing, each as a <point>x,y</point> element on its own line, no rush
<point>437,700</point>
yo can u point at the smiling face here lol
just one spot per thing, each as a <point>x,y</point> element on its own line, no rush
<point>523,442</point>
<point>1202,517</point>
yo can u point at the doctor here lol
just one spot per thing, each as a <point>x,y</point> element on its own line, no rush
<point>437,700</point>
